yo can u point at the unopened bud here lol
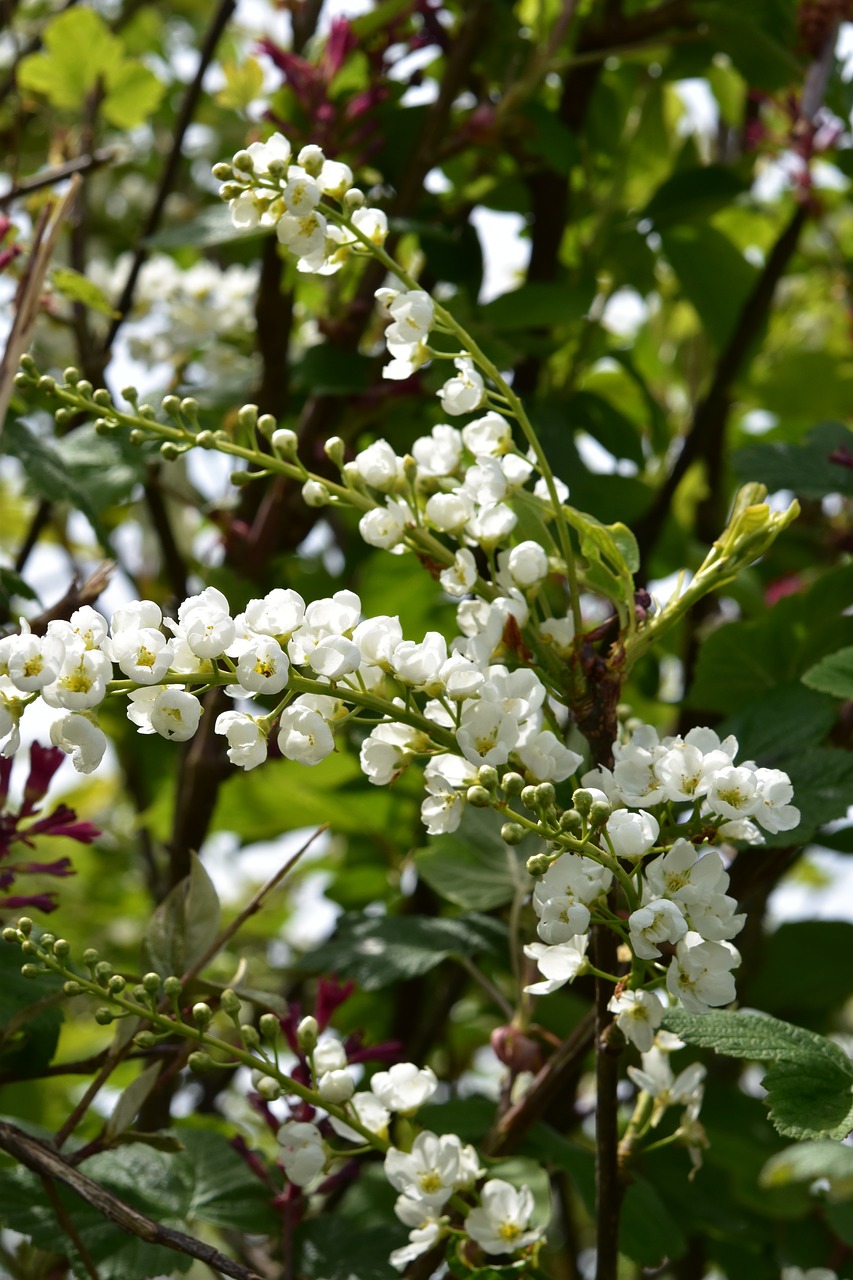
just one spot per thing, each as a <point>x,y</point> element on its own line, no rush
<point>599,813</point>
<point>479,797</point>
<point>200,1062</point>
<point>537,864</point>
<point>29,948</point>
<point>334,450</point>
<point>512,833</point>
<point>206,440</point>
<point>336,1086</point>
<point>46,384</point>
<point>25,925</point>
<point>315,494</point>
<point>276,167</point>
<point>104,1016</point>
<point>10,935</point>
<point>571,821</point>
<point>311,159</point>
<point>307,1034</point>
<point>202,1015</point>
<point>72,988</point>
<point>267,426</point>
<point>145,1039</point>
<point>353,199</point>
<point>528,797</point>
<point>583,801</point>
<point>269,1026</point>
<point>102,398</point>
<point>71,376</point>
<point>249,1036</point>
<point>269,1089</point>
<point>103,970</point>
<point>31,970</point>
<point>229,1003</point>
<point>172,406</point>
<point>222,171</point>
<point>512,784</point>
<point>487,776</point>
<point>247,417</point>
<point>152,983</point>
<point>172,987</point>
<point>244,162</point>
<point>545,795</point>
<point>116,984</point>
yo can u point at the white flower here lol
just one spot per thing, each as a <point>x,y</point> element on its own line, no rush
<point>459,578</point>
<point>540,489</point>
<point>379,466</point>
<point>657,1080</point>
<point>329,1055</point>
<point>460,677</point>
<point>561,919</point>
<point>485,481</point>
<point>85,625</point>
<point>490,434</point>
<point>302,1151</point>
<point>139,615</point>
<point>491,525</point>
<point>638,1016</point>
<point>428,1173</point>
<point>465,391</point>
<point>426,1231</point>
<point>700,975</point>
<point>301,193</point>
<point>441,811</point>
<point>500,1225</point>
<point>143,655</point>
<point>419,664</point>
<point>204,622</point>
<point>658,921</point>
<point>558,964</point>
<point>547,759</point>
<point>386,751</point>
<point>303,735</point>
<point>372,223</point>
<point>631,834</point>
<point>377,638</point>
<point>527,564</point>
<point>335,656</point>
<point>369,1112</point>
<point>277,614</point>
<point>774,813</point>
<point>438,454</point>
<point>734,793</point>
<point>486,734</point>
<point>304,235</point>
<point>33,661</point>
<point>404,1087</point>
<point>174,714</point>
<point>384,527</point>
<point>559,634</point>
<point>449,512</point>
<point>81,682</point>
<point>263,667</point>
<point>336,1086</point>
<point>247,743</point>
<point>80,738</point>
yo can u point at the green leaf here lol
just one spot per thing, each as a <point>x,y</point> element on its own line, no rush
<point>803,973</point>
<point>223,1190</point>
<point>30,1016</point>
<point>47,474</point>
<point>184,925</point>
<point>613,429</point>
<point>693,194</point>
<point>375,951</point>
<point>611,553</point>
<point>332,1249</point>
<point>810,1082</point>
<point>536,306</point>
<point>79,48</point>
<point>714,275</point>
<point>782,722</point>
<point>648,1233</point>
<point>808,1161</point>
<point>823,784</point>
<point>473,866</point>
<point>79,288</point>
<point>244,80</point>
<point>134,94</point>
<point>833,674</point>
<point>127,1108</point>
<point>805,468</point>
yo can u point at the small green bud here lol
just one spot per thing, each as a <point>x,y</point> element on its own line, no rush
<point>137,436</point>
<point>85,387</point>
<point>244,162</point>
<point>241,478</point>
<point>171,406</point>
<point>61,947</point>
<point>269,1089</point>
<point>171,451</point>
<point>512,833</point>
<point>152,983</point>
<point>103,970</point>
<point>410,469</point>
<point>538,864</point>
<point>25,925</point>
<point>206,439</point>
<point>353,199</point>
<point>102,398</point>
<point>247,417</point>
<point>22,382</point>
<point>528,797</point>
<point>63,416</point>
<point>10,935</point>
<point>189,408</point>
<point>599,813</point>
<point>545,795</point>
<point>47,384</point>
<point>71,376</point>
<point>249,1036</point>
<point>139,992</point>
<point>146,411</point>
<point>267,424</point>
<point>487,776</point>
<point>200,1062</point>
<point>72,988</point>
<point>583,801</point>
<point>104,428</point>
<point>229,1002</point>
<point>202,1015</point>
<point>230,190</point>
<point>104,1016</point>
<point>130,394</point>
<point>31,971</point>
<point>276,167</point>
<point>222,171</point>
<point>285,442</point>
<point>269,1025</point>
<point>172,987</point>
<point>47,940</point>
<point>116,984</point>
<point>145,1040</point>
<point>479,797</point>
<point>572,822</point>
<point>29,948</point>
<point>27,363</point>
<point>307,1034</point>
<point>512,784</point>
<point>334,449</point>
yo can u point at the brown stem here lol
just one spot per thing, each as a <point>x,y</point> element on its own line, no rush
<point>68,1226</point>
<point>80,164</point>
<point>44,1160</point>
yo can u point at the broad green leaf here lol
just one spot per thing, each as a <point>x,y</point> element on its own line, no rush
<point>806,468</point>
<point>823,785</point>
<point>106,468</point>
<point>333,1249</point>
<point>693,193</point>
<point>714,276</point>
<point>47,474</point>
<point>810,1082</point>
<point>30,1016</point>
<point>134,94</point>
<point>223,1190</point>
<point>611,553</point>
<point>756,49</point>
<point>648,1232</point>
<point>244,80</point>
<point>808,1161</point>
<point>833,674</point>
<point>127,1108</point>
<point>803,973</point>
<point>536,305</point>
<point>375,951</point>
<point>79,288</point>
<point>472,866</point>
<point>781,723</point>
<point>802,385</point>
<point>184,925</point>
<point>608,425</point>
<point>79,48</point>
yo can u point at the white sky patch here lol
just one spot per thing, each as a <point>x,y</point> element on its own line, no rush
<point>758,422</point>
<point>793,900</point>
<point>701,112</point>
<point>506,252</point>
<point>662,590</point>
<point>624,312</point>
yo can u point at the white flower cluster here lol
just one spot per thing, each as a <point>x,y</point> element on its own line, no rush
<point>695,793</point>
<point>265,188</point>
<point>474,711</point>
<point>426,1177</point>
<point>657,1080</point>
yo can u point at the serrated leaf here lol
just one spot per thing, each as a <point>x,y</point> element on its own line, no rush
<point>473,867</point>
<point>806,468</point>
<point>244,80</point>
<point>79,288</point>
<point>808,1161</point>
<point>78,48</point>
<point>833,674</point>
<point>810,1084</point>
<point>127,1108</point>
<point>47,475</point>
<point>376,951</point>
<point>29,1023</point>
<point>184,925</point>
<point>134,94</point>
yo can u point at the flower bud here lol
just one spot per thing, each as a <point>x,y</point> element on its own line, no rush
<point>202,1015</point>
<point>583,801</point>
<point>267,425</point>
<point>545,795</point>
<point>189,408</point>
<point>315,494</point>
<point>512,833</point>
<point>72,988</point>
<point>102,398</point>
<point>311,159</point>
<point>537,864</point>
<point>249,1036</point>
<point>528,797</point>
<point>307,1034</point>
<point>116,984</point>
<point>172,987</point>
<point>571,821</point>
<point>599,813</point>
<point>29,948</point>
<point>512,784</point>
<point>10,935</point>
<point>200,1062</point>
<point>222,171</point>
<point>84,386</point>
<point>276,167</point>
<point>104,1016</point>
<point>145,1039</point>
<point>137,436</point>
<point>25,925</point>
<point>336,1086</point>
<point>47,940</point>
<point>172,406</point>
<point>71,376</point>
<point>353,199</point>
<point>247,417</point>
<point>46,384</point>
<point>479,797</point>
<point>230,191</point>
<point>244,162</point>
<point>31,970</point>
<point>151,982</point>
<point>206,440</point>
<point>487,776</point>
<point>269,1089</point>
<point>229,1002</point>
<point>103,971</point>
<point>334,450</point>
<point>171,451</point>
<point>269,1025</point>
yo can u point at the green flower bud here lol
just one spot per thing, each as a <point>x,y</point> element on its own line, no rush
<point>269,1089</point>
<point>29,948</point>
<point>583,801</point>
<point>71,376</point>
<point>545,795</point>
<point>61,947</point>
<point>172,987</point>
<point>47,384</point>
<point>512,784</point>
<point>104,1016</point>
<point>599,813</point>
<point>10,935</point>
<point>104,428</point>
<point>103,970</point>
<point>172,406</point>
<point>27,363</point>
<point>244,162</point>
<point>202,1015</point>
<point>116,984</point>
<point>487,776</point>
<point>145,1039</point>
<point>152,983</point>
<point>528,797</point>
<point>276,167</point>
<point>139,993</point>
<point>269,1025</point>
<point>63,416</point>
<point>25,925</point>
<point>171,451</point>
<point>571,821</point>
<point>189,408</point>
<point>72,988</point>
<point>512,833</point>
<point>353,199</point>
<point>102,398</point>
<point>206,440</point>
<point>200,1062</point>
<point>307,1034</point>
<point>31,971</point>
<point>267,424</point>
<point>334,450</point>
<point>222,171</point>
<point>85,387</point>
<point>479,797</point>
<point>229,1002</point>
<point>247,417</point>
<point>230,191</point>
<point>22,382</point>
<point>137,436</point>
<point>249,1036</point>
<point>130,394</point>
<point>538,864</point>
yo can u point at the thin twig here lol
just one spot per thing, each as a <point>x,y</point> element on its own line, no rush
<point>44,1160</point>
<point>67,1225</point>
<point>80,164</point>
<point>170,171</point>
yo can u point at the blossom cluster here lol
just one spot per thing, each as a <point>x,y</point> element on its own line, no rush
<point>427,1176</point>
<point>264,187</point>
